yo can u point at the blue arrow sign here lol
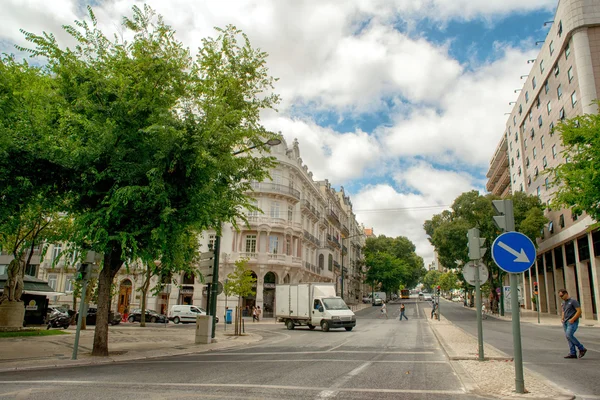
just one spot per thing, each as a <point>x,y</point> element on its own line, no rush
<point>513,252</point>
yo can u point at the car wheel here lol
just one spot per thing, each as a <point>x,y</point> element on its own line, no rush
<point>290,324</point>
<point>325,326</point>
<point>65,326</point>
<point>311,327</point>
<point>153,320</point>
<point>131,319</point>
<point>176,320</point>
<point>349,328</point>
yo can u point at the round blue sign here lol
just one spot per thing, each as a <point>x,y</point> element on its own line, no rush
<point>513,252</point>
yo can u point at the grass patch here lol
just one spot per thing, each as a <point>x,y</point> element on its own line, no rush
<point>33,332</point>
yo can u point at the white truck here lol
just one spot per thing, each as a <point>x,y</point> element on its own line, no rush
<point>312,304</point>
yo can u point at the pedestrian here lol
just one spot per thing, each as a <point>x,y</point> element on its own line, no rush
<point>402,308</point>
<point>384,310</point>
<point>571,311</point>
<point>433,308</point>
<point>254,314</point>
<point>258,312</point>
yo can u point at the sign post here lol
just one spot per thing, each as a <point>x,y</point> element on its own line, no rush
<point>476,252</point>
<point>515,253</point>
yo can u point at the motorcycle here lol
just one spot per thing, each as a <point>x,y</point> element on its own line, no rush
<point>59,319</point>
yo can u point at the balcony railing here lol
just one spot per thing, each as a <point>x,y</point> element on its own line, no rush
<point>333,217</point>
<point>275,188</point>
<point>311,238</point>
<point>306,204</point>
<point>336,264</point>
<point>277,257</point>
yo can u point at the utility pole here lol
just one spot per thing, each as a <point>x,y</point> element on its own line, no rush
<point>476,252</point>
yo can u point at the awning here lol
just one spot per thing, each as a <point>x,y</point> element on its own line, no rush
<point>33,286</point>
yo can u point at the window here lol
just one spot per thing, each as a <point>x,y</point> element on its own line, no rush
<point>553,151</point>
<point>512,162</point>
<point>527,162</point>
<point>521,187</point>
<point>529,180</point>
<point>514,179</point>
<point>549,107</point>
<point>277,178</point>
<point>539,192</point>
<point>330,263</point>
<point>574,98</point>
<point>540,122</point>
<point>559,91</point>
<point>567,51</point>
<point>290,213</point>
<point>526,97</point>
<point>273,244</point>
<point>211,241</point>
<point>519,172</point>
<point>544,162</point>
<point>56,252</point>
<point>537,102</point>
<point>570,74</point>
<point>520,109</point>
<point>31,270</point>
<point>253,213</point>
<point>525,144</point>
<point>534,153</point>
<point>52,280</point>
<point>546,87</point>
<point>542,66</point>
<point>532,133</point>
<point>533,84</point>
<point>321,261</point>
<point>69,283</point>
<point>514,120</point>
<point>551,47</point>
<point>529,116</point>
<point>559,28</point>
<point>561,220</point>
<point>556,70</point>
<point>274,209</point>
<point>551,128</point>
<point>536,172</point>
<point>561,113</point>
<point>510,146</point>
<point>518,154</point>
<point>250,243</point>
<point>288,247</point>
<point>516,136</point>
<point>546,183</point>
<point>542,141</point>
<point>3,269</point>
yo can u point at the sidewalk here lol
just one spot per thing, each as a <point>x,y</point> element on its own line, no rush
<point>126,342</point>
<point>496,375</point>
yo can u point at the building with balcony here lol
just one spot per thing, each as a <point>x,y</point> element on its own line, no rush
<point>563,83</point>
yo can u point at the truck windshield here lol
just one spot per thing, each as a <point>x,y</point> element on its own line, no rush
<point>335,304</point>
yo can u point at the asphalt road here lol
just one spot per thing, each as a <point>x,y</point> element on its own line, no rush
<point>380,359</point>
<point>543,346</point>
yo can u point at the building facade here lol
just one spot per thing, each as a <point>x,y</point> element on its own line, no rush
<point>307,232</point>
<point>563,83</point>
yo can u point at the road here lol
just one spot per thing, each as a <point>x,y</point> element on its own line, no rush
<point>543,349</point>
<point>382,359</point>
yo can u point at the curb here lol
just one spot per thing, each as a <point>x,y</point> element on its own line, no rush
<point>135,357</point>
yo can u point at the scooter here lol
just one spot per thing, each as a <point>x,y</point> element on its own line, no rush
<point>59,320</point>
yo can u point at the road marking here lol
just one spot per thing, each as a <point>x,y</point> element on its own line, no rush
<point>357,370</point>
<point>288,353</point>
<point>233,385</point>
<point>283,361</point>
<point>337,347</point>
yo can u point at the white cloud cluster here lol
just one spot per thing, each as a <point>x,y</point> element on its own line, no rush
<point>348,58</point>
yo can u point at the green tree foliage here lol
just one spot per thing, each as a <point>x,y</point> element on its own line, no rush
<point>240,282</point>
<point>448,281</point>
<point>137,137</point>
<point>578,180</point>
<point>393,262</point>
<point>431,279</point>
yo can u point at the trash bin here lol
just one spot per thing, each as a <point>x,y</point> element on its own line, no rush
<point>228,316</point>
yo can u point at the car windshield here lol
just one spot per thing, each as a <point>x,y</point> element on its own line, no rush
<point>335,304</point>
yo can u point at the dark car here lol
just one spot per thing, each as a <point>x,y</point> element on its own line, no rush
<point>114,318</point>
<point>151,316</point>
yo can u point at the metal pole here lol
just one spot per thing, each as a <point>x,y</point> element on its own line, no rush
<point>215,284</point>
<point>516,326</point>
<point>478,306</point>
<point>82,311</point>
<point>342,296</point>
<point>537,304</point>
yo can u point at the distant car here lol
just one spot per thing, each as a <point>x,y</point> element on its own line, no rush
<point>366,300</point>
<point>377,301</point>
<point>421,295</point>
<point>427,297</point>
<point>151,316</point>
<point>114,318</point>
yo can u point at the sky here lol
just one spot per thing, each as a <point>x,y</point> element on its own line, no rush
<point>401,102</point>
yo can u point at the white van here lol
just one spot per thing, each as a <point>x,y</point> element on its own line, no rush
<point>185,313</point>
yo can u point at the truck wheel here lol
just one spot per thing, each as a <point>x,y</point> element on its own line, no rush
<point>325,326</point>
<point>349,328</point>
<point>289,324</point>
<point>311,327</point>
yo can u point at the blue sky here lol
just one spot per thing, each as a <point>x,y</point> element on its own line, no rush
<point>402,102</point>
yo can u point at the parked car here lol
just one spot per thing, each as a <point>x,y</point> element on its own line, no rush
<point>183,313</point>
<point>421,295</point>
<point>151,316</point>
<point>114,318</point>
<point>377,301</point>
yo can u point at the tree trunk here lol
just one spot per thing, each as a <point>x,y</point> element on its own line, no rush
<point>112,264</point>
<point>144,291</point>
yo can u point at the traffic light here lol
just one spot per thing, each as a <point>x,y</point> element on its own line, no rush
<point>476,249</point>
<point>505,220</point>
<point>535,288</point>
<point>438,290</point>
<point>84,272</point>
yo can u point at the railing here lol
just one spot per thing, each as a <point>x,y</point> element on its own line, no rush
<point>336,264</point>
<point>276,257</point>
<point>306,204</point>
<point>332,215</point>
<point>297,260</point>
<point>312,238</point>
<point>251,256</point>
<point>275,188</point>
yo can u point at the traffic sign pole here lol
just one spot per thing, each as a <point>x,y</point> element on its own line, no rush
<point>516,326</point>
<point>475,254</point>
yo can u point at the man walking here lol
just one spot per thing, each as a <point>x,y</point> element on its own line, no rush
<point>402,308</point>
<point>384,310</point>
<point>571,311</point>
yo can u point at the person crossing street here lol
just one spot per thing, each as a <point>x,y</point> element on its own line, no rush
<point>402,309</point>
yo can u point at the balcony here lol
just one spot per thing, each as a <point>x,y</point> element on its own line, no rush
<point>333,218</point>
<point>255,220</point>
<point>311,209</point>
<point>312,239</point>
<point>345,230</point>
<point>267,187</point>
<point>311,267</point>
<point>336,264</point>
<point>333,242</point>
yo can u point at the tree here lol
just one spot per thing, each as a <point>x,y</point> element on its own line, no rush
<point>448,281</point>
<point>577,179</point>
<point>240,282</point>
<point>142,137</point>
<point>431,279</point>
